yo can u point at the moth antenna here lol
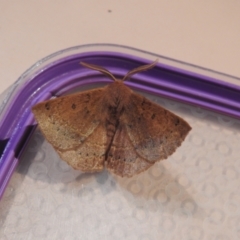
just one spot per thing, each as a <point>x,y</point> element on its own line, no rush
<point>140,69</point>
<point>100,69</point>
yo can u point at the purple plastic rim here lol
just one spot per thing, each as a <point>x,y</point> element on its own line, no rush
<point>61,76</point>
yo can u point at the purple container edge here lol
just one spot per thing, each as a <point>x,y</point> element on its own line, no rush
<point>7,173</point>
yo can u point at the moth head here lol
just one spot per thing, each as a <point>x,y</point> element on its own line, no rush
<point>127,76</point>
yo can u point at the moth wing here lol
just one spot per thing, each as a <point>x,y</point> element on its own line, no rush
<point>73,125</point>
<point>154,132</point>
<point>122,157</point>
<point>90,155</point>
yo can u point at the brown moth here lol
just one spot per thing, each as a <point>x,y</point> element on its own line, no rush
<point>110,126</point>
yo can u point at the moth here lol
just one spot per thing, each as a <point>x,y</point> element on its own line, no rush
<point>110,127</point>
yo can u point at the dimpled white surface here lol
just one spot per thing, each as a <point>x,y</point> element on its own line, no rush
<point>193,195</point>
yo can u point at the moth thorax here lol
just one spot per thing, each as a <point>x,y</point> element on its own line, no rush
<point>117,95</point>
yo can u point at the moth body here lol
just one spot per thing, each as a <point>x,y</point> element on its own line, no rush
<point>110,127</point>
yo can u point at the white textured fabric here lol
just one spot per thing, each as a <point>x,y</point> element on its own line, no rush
<point>192,195</point>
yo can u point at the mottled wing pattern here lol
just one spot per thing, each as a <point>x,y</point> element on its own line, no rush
<point>72,124</point>
<point>154,132</point>
<point>122,157</point>
<point>89,156</point>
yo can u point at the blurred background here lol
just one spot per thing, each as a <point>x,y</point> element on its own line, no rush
<point>204,33</point>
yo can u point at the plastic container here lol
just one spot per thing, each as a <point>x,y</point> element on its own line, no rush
<point>194,194</point>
